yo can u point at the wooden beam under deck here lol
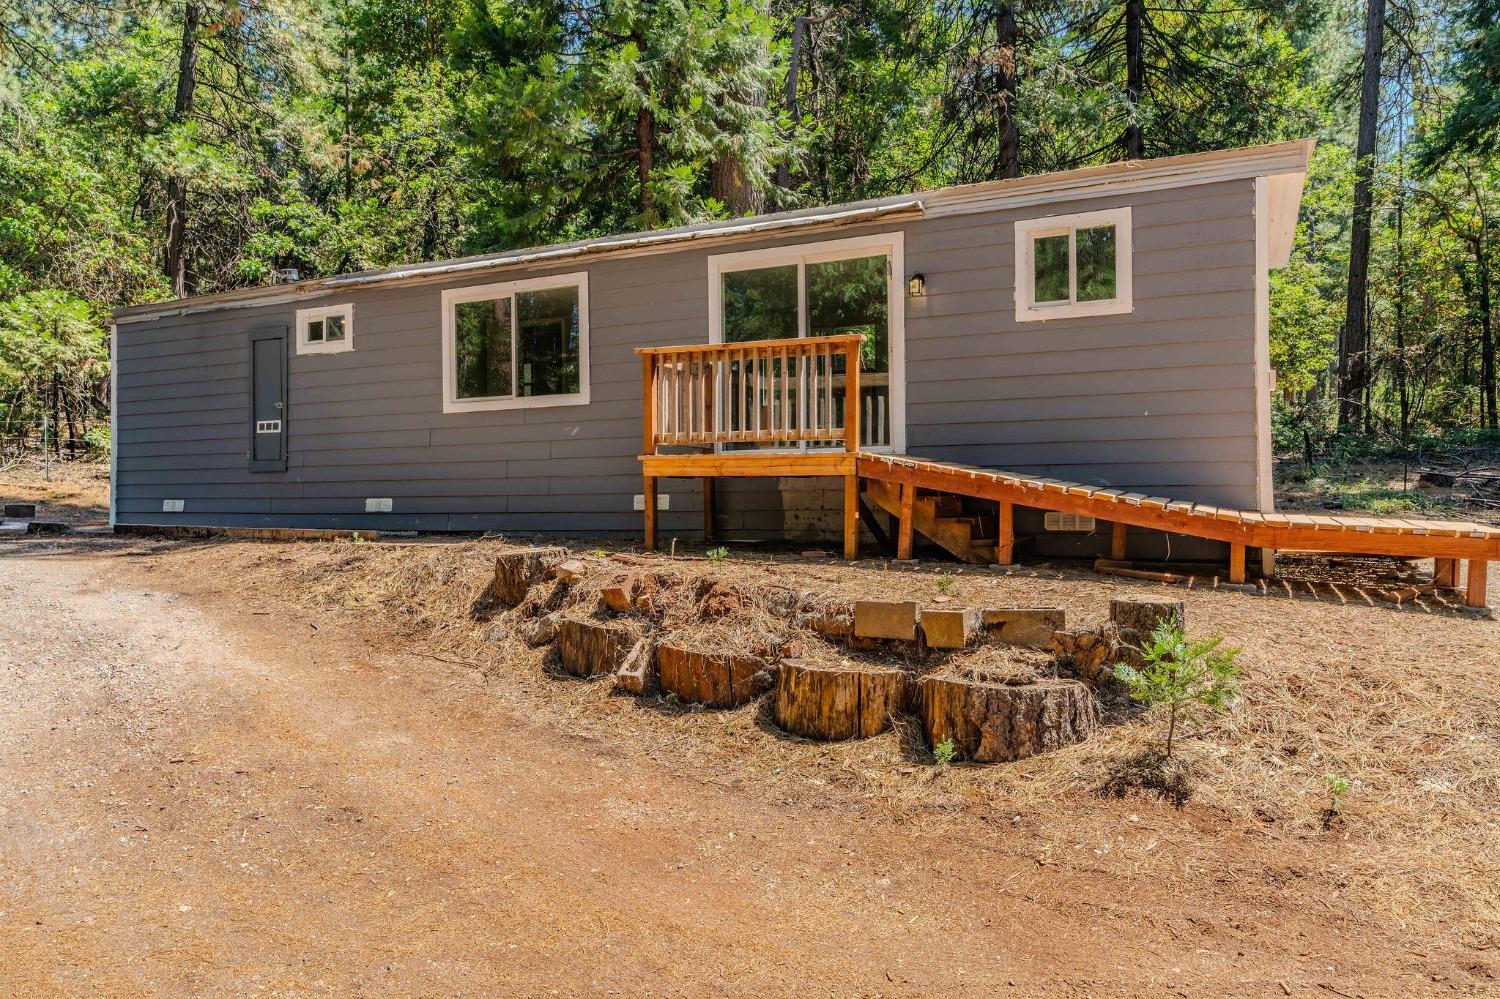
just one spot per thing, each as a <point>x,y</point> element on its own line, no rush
<point>747,465</point>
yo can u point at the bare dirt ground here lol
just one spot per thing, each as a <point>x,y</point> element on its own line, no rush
<point>69,492</point>
<point>218,785</point>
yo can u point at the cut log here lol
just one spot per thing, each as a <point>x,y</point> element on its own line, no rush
<point>996,723</point>
<point>1028,626</point>
<point>713,679</point>
<point>1138,617</point>
<point>569,571</point>
<point>588,649</point>
<point>838,702</point>
<point>517,572</point>
<point>620,597</point>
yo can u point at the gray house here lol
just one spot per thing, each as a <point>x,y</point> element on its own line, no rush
<point>1105,326</point>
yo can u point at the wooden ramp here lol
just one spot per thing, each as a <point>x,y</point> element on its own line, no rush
<point>1446,541</point>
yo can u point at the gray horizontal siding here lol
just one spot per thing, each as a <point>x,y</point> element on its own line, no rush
<point>1159,399</point>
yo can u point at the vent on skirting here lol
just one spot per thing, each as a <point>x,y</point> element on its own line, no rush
<point>1069,522</point>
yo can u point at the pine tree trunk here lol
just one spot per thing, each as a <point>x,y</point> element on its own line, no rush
<point>1354,344</point>
<point>1009,160</point>
<point>175,258</point>
<point>645,143</point>
<point>1135,76</point>
<point>1486,331</point>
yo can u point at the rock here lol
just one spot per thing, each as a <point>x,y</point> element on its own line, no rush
<point>996,723</point>
<point>838,702</point>
<point>637,674</point>
<point>950,629</point>
<point>1031,627</point>
<point>540,631</point>
<point>1137,617</point>
<point>568,571</point>
<point>886,619</point>
<point>1090,654</point>
<point>831,620</point>
<point>714,679</point>
<point>620,597</point>
<point>517,572</point>
<point>588,649</point>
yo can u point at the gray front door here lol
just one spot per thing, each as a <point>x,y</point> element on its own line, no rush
<point>268,400</point>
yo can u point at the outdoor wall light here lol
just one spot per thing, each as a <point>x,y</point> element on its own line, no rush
<point>916,286</point>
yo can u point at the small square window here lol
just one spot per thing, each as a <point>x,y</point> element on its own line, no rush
<point>325,330</point>
<point>1073,266</point>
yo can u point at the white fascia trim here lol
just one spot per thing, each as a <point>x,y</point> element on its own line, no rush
<point>1265,218</point>
<point>114,421</point>
<point>306,316</point>
<point>1027,231</point>
<point>479,293</point>
<point>894,245</point>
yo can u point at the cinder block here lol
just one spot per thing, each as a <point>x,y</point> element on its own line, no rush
<point>1028,626</point>
<point>950,629</point>
<point>886,619</point>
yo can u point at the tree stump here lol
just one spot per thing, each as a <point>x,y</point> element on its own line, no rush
<point>588,649</point>
<point>838,702</point>
<point>1137,618</point>
<point>996,723</point>
<point>517,572</point>
<point>713,679</point>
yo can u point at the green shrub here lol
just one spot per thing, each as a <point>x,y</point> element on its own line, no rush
<point>944,753</point>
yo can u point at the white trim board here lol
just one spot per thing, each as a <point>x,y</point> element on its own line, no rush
<point>479,293</point>
<point>894,246</point>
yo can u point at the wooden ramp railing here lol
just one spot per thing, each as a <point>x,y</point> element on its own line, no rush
<point>765,407</point>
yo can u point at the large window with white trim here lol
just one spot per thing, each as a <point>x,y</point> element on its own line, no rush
<point>518,344</point>
<point>1073,265</point>
<point>822,289</point>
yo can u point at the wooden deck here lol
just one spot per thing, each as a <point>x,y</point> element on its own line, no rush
<point>777,397</point>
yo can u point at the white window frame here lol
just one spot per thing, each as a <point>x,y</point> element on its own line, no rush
<point>452,297</point>
<point>892,243</point>
<point>306,316</point>
<point>1028,231</point>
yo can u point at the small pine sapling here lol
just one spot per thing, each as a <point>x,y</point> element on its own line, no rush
<point>718,554</point>
<point>1184,675</point>
<point>944,753</point>
<point>1338,786</point>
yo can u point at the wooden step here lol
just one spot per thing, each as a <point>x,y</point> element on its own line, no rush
<point>955,535</point>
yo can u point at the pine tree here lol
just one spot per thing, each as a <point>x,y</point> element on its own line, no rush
<point>605,115</point>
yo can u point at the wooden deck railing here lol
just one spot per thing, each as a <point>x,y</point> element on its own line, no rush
<point>761,392</point>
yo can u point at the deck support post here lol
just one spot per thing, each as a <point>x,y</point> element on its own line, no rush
<point>1445,572</point>
<point>1479,571</point>
<point>650,504</point>
<point>1117,541</point>
<point>904,528</point>
<point>1005,544</point>
<point>1236,562</point>
<point>708,508</point>
<point>851,517</point>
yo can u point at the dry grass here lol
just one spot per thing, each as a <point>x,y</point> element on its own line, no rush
<point>1399,701</point>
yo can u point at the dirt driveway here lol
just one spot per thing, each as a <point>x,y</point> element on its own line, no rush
<point>199,800</point>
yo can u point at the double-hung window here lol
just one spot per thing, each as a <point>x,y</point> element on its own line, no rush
<point>1073,265</point>
<point>822,289</point>
<point>515,345</point>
